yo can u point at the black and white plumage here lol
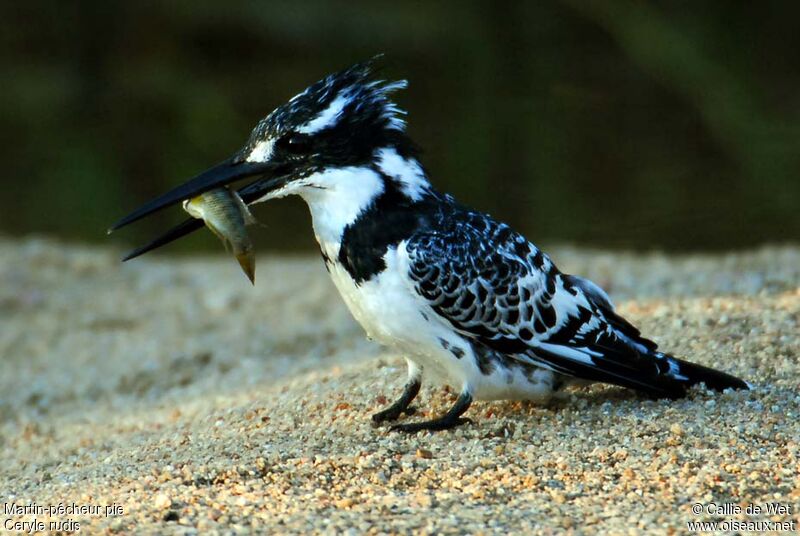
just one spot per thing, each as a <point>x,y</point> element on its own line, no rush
<point>465,298</point>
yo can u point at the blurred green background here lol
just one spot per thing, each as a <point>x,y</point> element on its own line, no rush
<point>623,124</point>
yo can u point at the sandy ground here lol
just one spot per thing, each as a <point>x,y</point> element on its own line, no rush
<point>175,398</point>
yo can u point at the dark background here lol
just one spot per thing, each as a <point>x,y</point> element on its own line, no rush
<point>624,124</point>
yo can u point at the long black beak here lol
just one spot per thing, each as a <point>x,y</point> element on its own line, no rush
<point>184,228</point>
<point>223,173</point>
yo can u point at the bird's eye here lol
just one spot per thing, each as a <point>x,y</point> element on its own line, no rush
<point>295,143</point>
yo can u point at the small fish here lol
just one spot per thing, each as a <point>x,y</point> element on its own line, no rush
<point>224,212</point>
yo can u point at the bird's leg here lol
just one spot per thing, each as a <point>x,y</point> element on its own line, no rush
<point>450,419</point>
<point>393,412</point>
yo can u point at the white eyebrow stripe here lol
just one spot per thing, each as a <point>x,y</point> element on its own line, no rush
<point>261,152</point>
<point>327,117</point>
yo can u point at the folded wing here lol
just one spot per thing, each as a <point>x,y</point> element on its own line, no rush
<point>497,289</point>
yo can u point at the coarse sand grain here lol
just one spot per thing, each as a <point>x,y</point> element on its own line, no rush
<point>178,399</point>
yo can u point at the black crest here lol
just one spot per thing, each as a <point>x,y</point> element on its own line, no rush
<point>340,119</point>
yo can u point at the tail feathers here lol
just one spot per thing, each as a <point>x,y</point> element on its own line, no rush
<point>686,374</point>
<point>620,355</point>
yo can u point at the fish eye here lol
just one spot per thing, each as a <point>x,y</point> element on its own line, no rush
<point>295,143</point>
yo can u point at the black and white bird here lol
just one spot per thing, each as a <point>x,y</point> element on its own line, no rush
<point>465,298</point>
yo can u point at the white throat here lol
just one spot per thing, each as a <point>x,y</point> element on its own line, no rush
<point>337,197</point>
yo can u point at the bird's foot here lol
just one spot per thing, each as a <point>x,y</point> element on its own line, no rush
<point>434,425</point>
<point>400,406</point>
<point>451,419</point>
<point>392,413</point>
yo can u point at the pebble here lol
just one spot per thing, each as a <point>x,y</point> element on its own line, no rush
<point>424,454</point>
<point>162,501</point>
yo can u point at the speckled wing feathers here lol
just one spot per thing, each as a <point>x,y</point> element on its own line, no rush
<point>499,290</point>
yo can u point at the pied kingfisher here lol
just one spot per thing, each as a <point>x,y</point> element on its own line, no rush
<point>465,298</point>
